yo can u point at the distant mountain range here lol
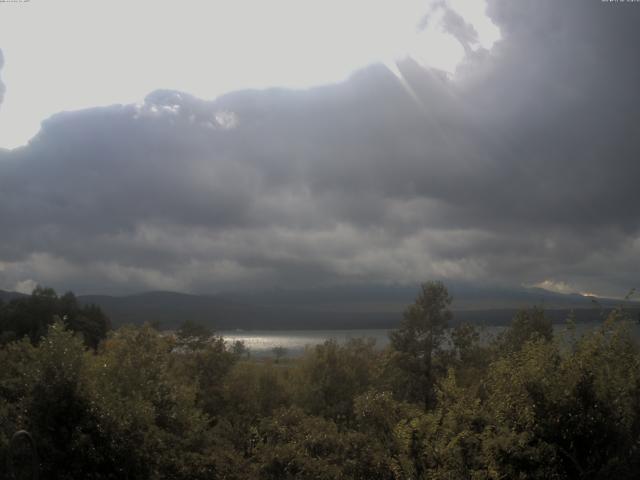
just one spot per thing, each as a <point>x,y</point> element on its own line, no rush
<point>7,296</point>
<point>337,307</point>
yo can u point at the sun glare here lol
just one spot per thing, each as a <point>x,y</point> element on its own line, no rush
<point>76,55</point>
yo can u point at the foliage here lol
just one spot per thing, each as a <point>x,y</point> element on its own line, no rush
<point>330,376</point>
<point>31,316</point>
<point>527,325</point>
<point>420,338</point>
<point>192,335</point>
<point>279,352</point>
<point>148,405</point>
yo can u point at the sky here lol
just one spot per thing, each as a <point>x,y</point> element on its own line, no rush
<point>216,146</point>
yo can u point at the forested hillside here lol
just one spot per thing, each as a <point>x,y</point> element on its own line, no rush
<point>31,316</point>
<point>143,405</point>
<point>335,308</point>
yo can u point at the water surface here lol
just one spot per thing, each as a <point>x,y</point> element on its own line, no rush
<point>262,342</point>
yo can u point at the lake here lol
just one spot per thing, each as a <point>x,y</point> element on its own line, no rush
<point>262,342</point>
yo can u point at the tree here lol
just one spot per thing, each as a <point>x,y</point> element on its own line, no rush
<point>56,411</point>
<point>330,375</point>
<point>147,422</point>
<point>89,320</point>
<point>279,352</point>
<point>420,337</point>
<point>527,325</point>
<point>193,335</point>
<point>240,349</point>
<point>31,316</point>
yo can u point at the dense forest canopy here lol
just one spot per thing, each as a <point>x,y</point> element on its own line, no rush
<point>145,405</point>
<point>32,315</point>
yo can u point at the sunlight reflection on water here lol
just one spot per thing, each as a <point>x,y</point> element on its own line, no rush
<point>262,342</point>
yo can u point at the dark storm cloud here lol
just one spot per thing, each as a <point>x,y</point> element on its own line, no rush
<point>523,168</point>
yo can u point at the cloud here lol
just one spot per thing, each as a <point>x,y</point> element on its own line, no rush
<point>463,31</point>
<point>555,286</point>
<point>520,169</point>
<point>25,286</point>
<point>2,87</point>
